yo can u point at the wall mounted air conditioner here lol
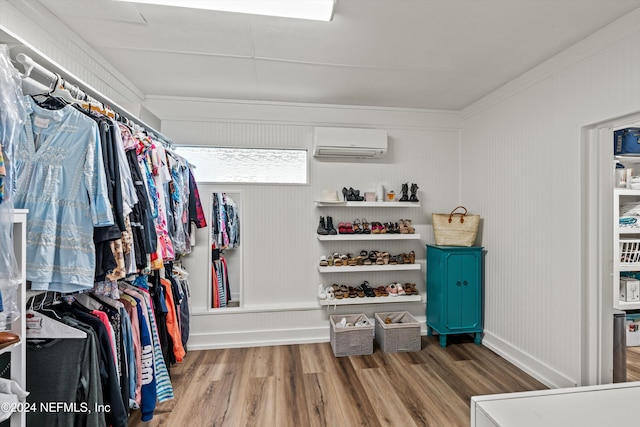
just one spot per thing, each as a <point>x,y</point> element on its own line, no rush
<point>353,143</point>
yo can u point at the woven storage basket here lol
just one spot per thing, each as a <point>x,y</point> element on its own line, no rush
<point>351,340</point>
<point>403,334</point>
<point>455,229</point>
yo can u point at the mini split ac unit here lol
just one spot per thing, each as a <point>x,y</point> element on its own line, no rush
<point>349,142</point>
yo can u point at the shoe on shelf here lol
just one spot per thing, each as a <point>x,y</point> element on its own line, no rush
<point>322,227</point>
<point>357,226</point>
<point>400,289</point>
<point>402,227</point>
<point>341,228</point>
<point>405,193</point>
<point>365,226</point>
<point>414,190</point>
<point>322,294</point>
<point>330,228</point>
<point>323,261</point>
<point>410,227</point>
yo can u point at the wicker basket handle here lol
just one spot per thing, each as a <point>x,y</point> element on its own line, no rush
<point>461,214</point>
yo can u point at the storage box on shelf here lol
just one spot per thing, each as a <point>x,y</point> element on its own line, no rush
<point>626,244</point>
<point>401,334</point>
<point>372,237</point>
<point>350,340</point>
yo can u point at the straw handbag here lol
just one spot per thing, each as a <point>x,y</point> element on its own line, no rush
<point>455,229</point>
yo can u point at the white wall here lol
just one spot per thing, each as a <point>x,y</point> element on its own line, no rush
<point>279,245</point>
<point>522,170</point>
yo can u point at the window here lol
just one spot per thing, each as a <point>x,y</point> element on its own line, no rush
<point>246,165</point>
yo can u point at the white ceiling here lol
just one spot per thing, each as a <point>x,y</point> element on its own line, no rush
<point>435,54</point>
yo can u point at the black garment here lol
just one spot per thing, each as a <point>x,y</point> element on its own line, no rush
<point>118,416</point>
<point>142,223</point>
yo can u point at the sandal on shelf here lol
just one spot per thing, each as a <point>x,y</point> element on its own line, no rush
<point>323,261</point>
<point>403,227</point>
<point>360,292</point>
<point>374,228</point>
<point>383,292</point>
<point>392,289</point>
<point>412,257</point>
<point>341,228</point>
<point>400,258</point>
<point>393,260</point>
<point>348,228</point>
<point>365,226</point>
<point>400,289</point>
<point>409,226</point>
<point>379,258</point>
<point>382,228</point>
<point>357,227</point>
<point>352,292</point>
<point>368,290</point>
<point>385,258</point>
<point>337,292</point>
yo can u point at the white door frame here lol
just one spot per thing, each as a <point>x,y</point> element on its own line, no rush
<point>597,249</point>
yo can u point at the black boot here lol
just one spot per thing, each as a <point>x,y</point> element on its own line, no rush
<point>405,193</point>
<point>414,190</point>
<point>330,228</point>
<point>322,228</point>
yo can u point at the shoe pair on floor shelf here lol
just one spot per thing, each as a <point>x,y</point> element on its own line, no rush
<point>365,290</point>
<point>326,227</point>
<point>367,258</point>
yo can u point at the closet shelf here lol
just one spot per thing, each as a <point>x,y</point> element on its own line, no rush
<point>372,236</point>
<point>624,305</point>
<point>375,300</point>
<point>369,205</point>
<point>368,268</point>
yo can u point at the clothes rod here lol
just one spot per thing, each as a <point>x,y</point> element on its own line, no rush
<point>29,65</point>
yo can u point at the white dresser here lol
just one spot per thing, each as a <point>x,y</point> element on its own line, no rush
<point>591,406</point>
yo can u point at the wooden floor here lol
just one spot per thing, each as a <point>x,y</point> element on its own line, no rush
<point>306,385</point>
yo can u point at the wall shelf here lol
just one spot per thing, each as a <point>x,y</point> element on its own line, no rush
<point>372,300</point>
<point>368,268</point>
<point>372,236</point>
<point>368,204</point>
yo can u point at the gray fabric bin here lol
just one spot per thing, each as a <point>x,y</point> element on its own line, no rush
<point>403,334</point>
<point>351,340</point>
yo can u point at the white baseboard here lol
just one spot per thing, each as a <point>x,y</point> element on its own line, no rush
<point>540,371</point>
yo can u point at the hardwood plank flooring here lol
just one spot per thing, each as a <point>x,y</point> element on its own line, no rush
<point>306,385</point>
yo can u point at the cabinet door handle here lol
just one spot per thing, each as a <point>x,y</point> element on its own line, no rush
<point>464,282</point>
<point>458,283</point>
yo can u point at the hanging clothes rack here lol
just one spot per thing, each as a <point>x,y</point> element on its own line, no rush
<point>72,92</point>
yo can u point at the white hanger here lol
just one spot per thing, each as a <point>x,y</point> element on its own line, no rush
<point>40,326</point>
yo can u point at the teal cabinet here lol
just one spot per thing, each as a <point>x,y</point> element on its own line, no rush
<point>454,291</point>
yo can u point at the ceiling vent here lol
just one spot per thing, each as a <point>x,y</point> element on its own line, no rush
<point>352,143</point>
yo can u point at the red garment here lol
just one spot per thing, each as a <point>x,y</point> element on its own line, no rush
<point>173,328</point>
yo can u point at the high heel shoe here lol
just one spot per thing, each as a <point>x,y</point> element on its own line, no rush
<point>365,227</point>
<point>357,226</point>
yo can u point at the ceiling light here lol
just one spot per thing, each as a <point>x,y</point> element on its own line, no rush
<point>319,10</point>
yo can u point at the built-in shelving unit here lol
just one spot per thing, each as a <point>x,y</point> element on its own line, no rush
<point>18,367</point>
<point>377,237</point>
<point>623,237</point>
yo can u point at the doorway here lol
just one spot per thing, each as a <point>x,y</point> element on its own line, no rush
<point>598,166</point>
